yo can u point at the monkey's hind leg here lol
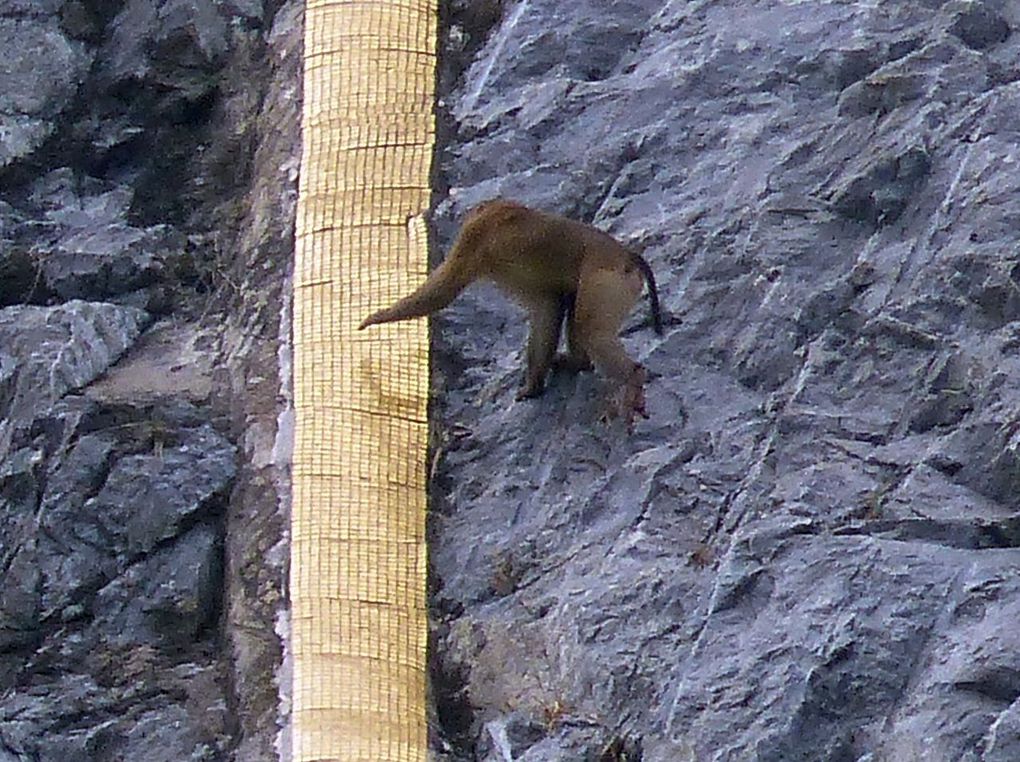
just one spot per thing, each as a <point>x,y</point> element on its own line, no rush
<point>546,319</point>
<point>576,359</point>
<point>604,298</point>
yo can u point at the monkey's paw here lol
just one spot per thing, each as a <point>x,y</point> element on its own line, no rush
<point>529,391</point>
<point>632,398</point>
<point>629,402</point>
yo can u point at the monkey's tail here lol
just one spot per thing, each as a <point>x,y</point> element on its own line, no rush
<point>438,290</point>
<point>653,292</point>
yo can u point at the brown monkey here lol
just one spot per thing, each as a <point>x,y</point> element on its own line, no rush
<point>556,268</point>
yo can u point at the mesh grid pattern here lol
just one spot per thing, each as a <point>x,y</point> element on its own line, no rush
<point>357,581</point>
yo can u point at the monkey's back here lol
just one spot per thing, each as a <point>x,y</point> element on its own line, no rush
<point>530,252</point>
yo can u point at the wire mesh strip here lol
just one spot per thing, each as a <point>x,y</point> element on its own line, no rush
<point>357,582</point>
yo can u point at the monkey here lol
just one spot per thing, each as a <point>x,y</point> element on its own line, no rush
<point>559,270</point>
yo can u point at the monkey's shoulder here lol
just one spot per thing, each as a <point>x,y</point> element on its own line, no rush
<point>497,213</point>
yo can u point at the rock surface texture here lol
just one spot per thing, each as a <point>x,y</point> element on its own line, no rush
<point>147,165</point>
<point>812,549</point>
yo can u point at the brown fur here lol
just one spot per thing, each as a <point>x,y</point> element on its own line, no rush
<point>556,268</point>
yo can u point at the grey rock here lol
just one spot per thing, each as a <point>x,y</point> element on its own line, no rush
<point>980,26</point>
<point>16,8</point>
<point>18,271</point>
<point>144,719</point>
<point>166,55</point>
<point>170,597</point>
<point>165,733</point>
<point>89,249</point>
<point>8,379</point>
<point>880,194</point>
<point>112,535</point>
<point>254,377</point>
<point>132,504</point>
<point>467,24</point>
<point>20,601</point>
<point>58,349</point>
<point>19,276</point>
<point>121,183</point>
<point>254,10</point>
<point>182,34</point>
<point>1004,736</point>
<point>808,551</point>
<point>43,73</point>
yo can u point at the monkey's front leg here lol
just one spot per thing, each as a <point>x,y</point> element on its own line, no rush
<point>546,318</point>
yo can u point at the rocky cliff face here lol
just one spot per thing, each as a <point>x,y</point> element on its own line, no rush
<point>148,151</point>
<point>811,550</point>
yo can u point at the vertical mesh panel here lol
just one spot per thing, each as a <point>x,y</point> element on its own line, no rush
<point>357,581</point>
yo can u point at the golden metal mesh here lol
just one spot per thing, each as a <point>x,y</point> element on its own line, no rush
<point>357,582</point>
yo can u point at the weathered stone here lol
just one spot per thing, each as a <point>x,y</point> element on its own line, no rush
<point>59,349</point>
<point>169,598</point>
<point>132,504</point>
<point>775,565</point>
<point>979,25</point>
<point>115,477</point>
<point>150,715</point>
<point>807,553</point>
<point>90,250</point>
<point>43,72</point>
<point>881,193</point>
<point>115,558</point>
<point>179,33</point>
